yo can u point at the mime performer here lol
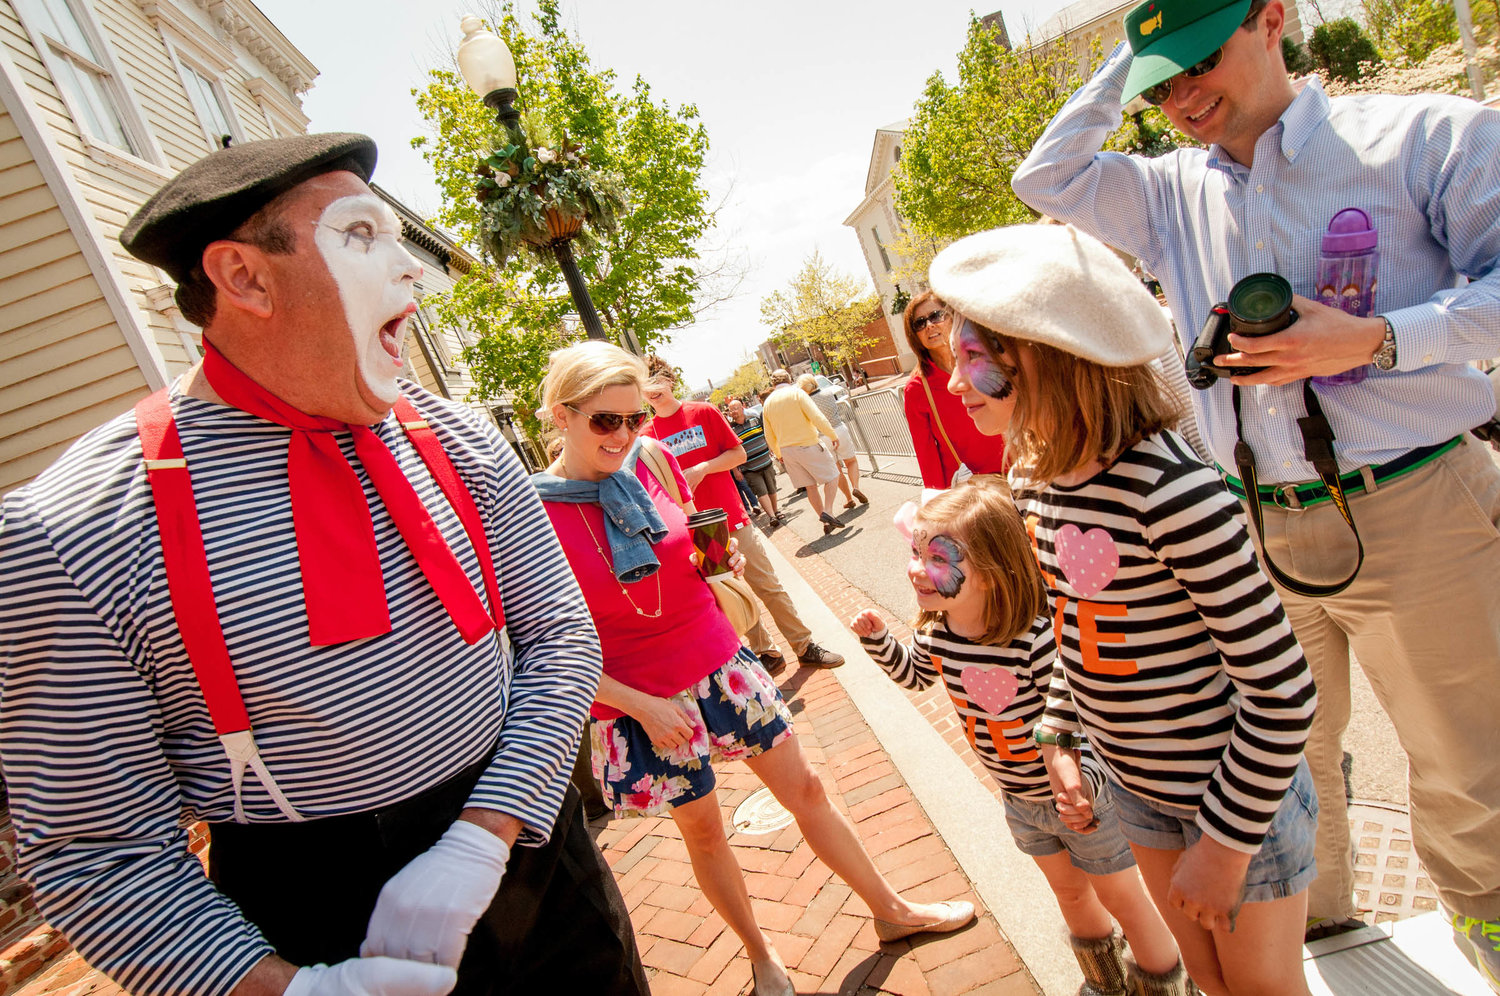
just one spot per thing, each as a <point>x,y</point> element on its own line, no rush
<point>316,606</point>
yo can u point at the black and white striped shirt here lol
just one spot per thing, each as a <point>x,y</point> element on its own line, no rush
<point>1177,659</point>
<point>997,721</point>
<point>108,749</point>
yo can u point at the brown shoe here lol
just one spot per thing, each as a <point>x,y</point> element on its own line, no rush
<point>773,662</point>
<point>954,915</point>
<point>861,496</point>
<point>813,655</point>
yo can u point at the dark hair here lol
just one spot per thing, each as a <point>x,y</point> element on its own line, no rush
<point>912,338</point>
<point>1256,6</point>
<point>658,367</point>
<point>266,230</point>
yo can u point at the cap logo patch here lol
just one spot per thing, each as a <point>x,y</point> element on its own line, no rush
<point>1151,24</point>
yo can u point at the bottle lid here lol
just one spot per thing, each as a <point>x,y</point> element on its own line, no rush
<point>707,517</point>
<point>1349,231</point>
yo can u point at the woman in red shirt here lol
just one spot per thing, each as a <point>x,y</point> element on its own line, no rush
<point>678,690</point>
<point>941,431</point>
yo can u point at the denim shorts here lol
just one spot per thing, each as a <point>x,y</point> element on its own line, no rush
<point>738,713</point>
<point>1039,831</point>
<point>1282,867</point>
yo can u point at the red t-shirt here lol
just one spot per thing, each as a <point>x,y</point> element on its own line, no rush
<point>661,655</point>
<point>696,433</point>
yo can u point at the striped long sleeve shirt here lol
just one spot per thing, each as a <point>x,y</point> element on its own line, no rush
<point>1177,659</point>
<point>108,749</point>
<point>999,693</point>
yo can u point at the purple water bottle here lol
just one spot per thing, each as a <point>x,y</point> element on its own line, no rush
<point>1347,267</point>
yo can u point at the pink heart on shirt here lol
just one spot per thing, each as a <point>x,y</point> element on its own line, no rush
<point>1088,560</point>
<point>990,688</point>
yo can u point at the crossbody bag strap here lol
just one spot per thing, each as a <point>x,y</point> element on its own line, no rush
<point>190,587</point>
<point>936,418</point>
<point>430,449</point>
<point>656,462</point>
<point>1317,441</point>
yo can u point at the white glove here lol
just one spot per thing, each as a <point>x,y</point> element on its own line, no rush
<point>426,910</point>
<point>373,977</point>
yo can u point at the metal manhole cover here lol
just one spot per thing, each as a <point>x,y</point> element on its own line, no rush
<point>760,813</point>
<point>1388,878</point>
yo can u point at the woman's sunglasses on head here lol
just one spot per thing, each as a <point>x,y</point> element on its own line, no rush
<point>921,322</point>
<point>604,423</point>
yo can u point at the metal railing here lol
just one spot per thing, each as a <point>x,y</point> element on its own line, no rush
<point>877,421</point>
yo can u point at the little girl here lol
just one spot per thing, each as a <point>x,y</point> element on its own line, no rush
<point>982,632</point>
<point>1177,660</point>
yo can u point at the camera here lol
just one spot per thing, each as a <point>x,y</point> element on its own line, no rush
<point>1260,304</point>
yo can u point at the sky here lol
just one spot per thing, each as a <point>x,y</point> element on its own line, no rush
<point>791,92</point>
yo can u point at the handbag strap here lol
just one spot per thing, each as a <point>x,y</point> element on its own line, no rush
<point>936,418</point>
<point>656,462</point>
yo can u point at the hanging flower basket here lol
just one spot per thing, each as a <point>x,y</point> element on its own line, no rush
<point>535,197</point>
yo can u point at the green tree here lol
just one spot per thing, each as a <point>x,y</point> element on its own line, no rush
<point>966,139</point>
<point>747,381</point>
<point>1298,61</point>
<point>825,307</point>
<point>1341,48</point>
<point>645,278</point>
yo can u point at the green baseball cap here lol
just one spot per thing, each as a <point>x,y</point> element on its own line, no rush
<point>1168,36</point>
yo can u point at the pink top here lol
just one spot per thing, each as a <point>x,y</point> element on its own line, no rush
<point>658,655</point>
<point>980,453</point>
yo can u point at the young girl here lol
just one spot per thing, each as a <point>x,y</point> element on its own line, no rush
<point>1177,660</point>
<point>982,632</point>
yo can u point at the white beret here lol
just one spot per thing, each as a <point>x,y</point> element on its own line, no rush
<point>1056,285</point>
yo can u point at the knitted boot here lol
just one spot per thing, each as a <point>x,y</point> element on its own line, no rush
<point>1103,964</point>
<point>1172,983</point>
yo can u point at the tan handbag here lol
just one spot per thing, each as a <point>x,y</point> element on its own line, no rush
<point>733,594</point>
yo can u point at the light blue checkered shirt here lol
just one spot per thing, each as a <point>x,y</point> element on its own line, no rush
<point>1427,171</point>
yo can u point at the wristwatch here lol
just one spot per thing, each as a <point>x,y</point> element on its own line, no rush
<point>1385,356</point>
<point>1067,741</point>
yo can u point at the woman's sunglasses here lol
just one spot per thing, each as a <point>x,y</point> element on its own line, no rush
<point>1159,93</point>
<point>921,322</point>
<point>605,423</point>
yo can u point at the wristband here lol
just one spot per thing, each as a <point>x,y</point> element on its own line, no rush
<point>1067,741</point>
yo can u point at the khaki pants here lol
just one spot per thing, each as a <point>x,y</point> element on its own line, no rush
<point>1423,619</point>
<point>767,587</point>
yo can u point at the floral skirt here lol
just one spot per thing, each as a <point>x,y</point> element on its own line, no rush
<point>738,713</point>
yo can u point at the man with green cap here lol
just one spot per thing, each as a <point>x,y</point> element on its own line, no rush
<point>1281,159</point>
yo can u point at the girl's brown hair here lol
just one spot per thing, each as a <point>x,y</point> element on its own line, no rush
<point>912,338</point>
<point>981,515</point>
<point>1071,411</point>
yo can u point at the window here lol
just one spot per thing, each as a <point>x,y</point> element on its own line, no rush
<point>885,260</point>
<point>209,104</point>
<point>79,64</point>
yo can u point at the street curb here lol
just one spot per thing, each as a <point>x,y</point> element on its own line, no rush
<point>1008,882</point>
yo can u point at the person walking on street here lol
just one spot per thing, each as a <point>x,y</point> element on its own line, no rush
<point>416,666</point>
<point>792,426</point>
<point>707,448</point>
<point>843,450</point>
<point>1282,160</point>
<point>759,468</point>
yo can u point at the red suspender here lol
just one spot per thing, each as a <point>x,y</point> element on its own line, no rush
<point>186,562</point>
<point>442,470</point>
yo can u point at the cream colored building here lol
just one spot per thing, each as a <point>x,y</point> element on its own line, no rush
<point>101,102</point>
<point>876,222</point>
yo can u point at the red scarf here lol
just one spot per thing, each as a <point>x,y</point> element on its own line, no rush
<point>342,583</point>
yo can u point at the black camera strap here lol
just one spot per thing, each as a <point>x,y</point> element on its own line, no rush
<point>1317,443</point>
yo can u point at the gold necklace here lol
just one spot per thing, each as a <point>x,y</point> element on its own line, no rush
<point>610,567</point>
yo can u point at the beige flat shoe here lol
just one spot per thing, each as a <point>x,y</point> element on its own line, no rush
<point>756,989</point>
<point>956,914</point>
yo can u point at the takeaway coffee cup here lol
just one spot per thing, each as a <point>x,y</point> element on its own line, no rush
<point>711,539</point>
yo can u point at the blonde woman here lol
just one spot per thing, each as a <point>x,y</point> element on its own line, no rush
<point>678,689</point>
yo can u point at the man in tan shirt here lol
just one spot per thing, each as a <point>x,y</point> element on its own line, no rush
<point>793,424</point>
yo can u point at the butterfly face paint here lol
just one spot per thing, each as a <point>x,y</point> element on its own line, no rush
<point>359,237</point>
<point>980,368</point>
<point>936,560</point>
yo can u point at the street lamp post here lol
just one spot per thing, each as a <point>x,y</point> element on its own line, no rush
<point>490,70</point>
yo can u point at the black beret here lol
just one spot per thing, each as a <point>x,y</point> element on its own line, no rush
<point>215,195</point>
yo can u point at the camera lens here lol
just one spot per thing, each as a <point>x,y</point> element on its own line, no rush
<point>1261,304</point>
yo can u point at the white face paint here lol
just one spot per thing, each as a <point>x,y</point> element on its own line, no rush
<point>359,238</point>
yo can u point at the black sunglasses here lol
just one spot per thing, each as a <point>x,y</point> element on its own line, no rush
<point>1159,93</point>
<point>918,324</point>
<point>605,423</point>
